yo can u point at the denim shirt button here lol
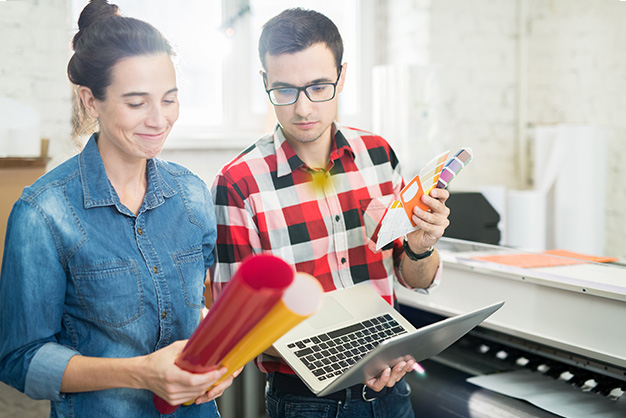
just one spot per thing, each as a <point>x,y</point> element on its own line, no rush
<point>155,270</point>
<point>140,231</point>
<point>163,314</point>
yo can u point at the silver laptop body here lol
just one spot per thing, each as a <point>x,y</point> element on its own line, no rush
<point>357,334</point>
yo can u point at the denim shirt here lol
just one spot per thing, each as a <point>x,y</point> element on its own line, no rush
<point>82,274</point>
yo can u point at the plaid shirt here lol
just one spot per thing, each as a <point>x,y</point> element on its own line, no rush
<point>325,223</point>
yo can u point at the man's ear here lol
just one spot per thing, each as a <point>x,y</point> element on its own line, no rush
<point>89,101</point>
<point>342,78</point>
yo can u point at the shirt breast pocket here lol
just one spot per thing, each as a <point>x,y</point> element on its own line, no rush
<point>372,212</point>
<point>111,293</point>
<point>190,266</point>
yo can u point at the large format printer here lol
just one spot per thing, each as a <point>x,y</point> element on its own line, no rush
<point>558,345</point>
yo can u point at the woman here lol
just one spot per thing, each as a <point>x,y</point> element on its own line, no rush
<point>106,255</point>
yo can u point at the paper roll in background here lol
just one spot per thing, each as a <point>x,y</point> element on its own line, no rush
<point>257,286</point>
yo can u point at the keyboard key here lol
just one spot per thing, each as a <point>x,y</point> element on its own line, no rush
<point>345,330</point>
<point>302,353</point>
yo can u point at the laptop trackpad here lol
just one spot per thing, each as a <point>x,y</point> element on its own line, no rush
<point>331,313</point>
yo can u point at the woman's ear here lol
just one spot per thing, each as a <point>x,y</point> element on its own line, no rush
<point>89,101</point>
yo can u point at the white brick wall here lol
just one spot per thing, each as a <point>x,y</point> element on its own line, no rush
<point>34,52</point>
<point>576,75</point>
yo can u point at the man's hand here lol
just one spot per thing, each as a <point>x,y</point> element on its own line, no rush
<point>431,224</point>
<point>390,377</point>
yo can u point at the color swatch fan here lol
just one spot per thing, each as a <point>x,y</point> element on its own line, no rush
<point>438,173</point>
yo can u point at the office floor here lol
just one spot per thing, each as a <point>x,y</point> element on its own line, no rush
<point>15,404</point>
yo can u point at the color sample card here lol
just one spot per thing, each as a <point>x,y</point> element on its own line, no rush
<point>424,182</point>
<point>429,175</point>
<point>452,167</point>
<point>437,173</point>
<point>411,196</point>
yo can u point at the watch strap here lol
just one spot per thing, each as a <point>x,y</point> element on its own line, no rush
<point>415,257</point>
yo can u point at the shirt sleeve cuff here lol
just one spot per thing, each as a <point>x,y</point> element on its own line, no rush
<point>45,373</point>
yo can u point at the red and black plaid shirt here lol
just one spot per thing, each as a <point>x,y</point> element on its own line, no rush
<point>324,223</point>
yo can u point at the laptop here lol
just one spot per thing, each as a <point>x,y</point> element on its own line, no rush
<point>357,334</point>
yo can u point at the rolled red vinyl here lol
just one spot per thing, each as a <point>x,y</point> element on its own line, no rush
<point>256,287</point>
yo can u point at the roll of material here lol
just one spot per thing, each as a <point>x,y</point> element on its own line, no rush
<point>263,300</point>
<point>526,221</point>
<point>571,169</point>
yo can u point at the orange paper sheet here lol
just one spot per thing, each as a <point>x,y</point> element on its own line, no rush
<point>549,258</point>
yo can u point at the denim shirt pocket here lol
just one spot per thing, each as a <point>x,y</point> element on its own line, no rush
<point>190,266</point>
<point>110,293</point>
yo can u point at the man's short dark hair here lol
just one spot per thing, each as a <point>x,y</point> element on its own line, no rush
<point>294,30</point>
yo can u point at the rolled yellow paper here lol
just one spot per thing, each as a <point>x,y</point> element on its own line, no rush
<point>301,299</point>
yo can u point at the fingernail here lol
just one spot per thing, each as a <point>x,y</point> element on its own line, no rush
<point>418,368</point>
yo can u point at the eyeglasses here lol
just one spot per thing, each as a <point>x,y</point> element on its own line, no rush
<point>318,92</point>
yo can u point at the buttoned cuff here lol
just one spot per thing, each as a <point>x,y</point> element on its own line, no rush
<point>45,373</point>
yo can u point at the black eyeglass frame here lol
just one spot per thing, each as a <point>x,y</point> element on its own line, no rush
<point>302,89</point>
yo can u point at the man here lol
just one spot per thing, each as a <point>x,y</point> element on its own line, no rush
<point>313,193</point>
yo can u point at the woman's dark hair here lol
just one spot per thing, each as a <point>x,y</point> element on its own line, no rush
<point>296,29</point>
<point>104,38</point>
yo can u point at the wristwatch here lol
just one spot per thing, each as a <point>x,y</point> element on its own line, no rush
<point>415,257</point>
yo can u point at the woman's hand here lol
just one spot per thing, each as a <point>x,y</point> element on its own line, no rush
<point>175,385</point>
<point>218,390</point>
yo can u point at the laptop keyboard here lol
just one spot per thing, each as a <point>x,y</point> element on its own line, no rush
<point>330,354</point>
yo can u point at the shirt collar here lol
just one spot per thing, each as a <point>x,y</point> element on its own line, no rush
<point>98,190</point>
<point>287,160</point>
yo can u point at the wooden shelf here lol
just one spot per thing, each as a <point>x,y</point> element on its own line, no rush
<point>22,162</point>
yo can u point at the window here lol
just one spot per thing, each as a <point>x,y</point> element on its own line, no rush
<point>221,91</point>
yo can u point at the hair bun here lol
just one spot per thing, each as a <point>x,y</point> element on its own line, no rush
<point>95,11</point>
